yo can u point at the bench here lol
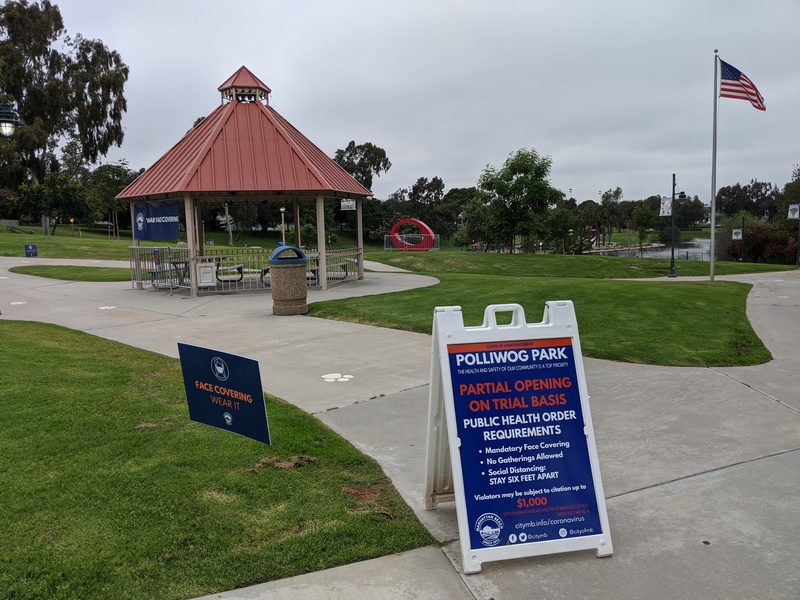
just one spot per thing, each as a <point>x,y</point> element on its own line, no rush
<point>230,272</point>
<point>163,277</point>
<point>336,270</point>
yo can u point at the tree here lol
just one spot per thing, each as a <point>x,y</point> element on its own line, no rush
<point>64,88</point>
<point>475,227</point>
<point>610,212</point>
<point>789,195</point>
<point>72,163</point>
<point>732,199</point>
<point>448,211</point>
<point>104,183</point>
<point>517,192</point>
<point>589,213</point>
<point>424,195</point>
<point>363,161</point>
<point>763,199</point>
<point>57,196</point>
<point>689,212</point>
<point>644,219</point>
<point>378,218</point>
<point>560,221</point>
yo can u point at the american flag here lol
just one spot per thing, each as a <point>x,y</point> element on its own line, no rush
<point>735,84</point>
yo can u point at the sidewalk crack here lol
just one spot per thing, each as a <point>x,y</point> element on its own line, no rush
<point>698,473</point>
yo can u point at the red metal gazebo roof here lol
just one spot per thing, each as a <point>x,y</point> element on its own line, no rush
<point>244,147</point>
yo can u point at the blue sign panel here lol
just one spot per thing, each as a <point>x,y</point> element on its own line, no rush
<point>224,390</point>
<point>156,220</point>
<point>31,251</point>
<point>525,459</point>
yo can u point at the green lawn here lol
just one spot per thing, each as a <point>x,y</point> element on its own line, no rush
<point>682,323</point>
<point>96,243</point>
<point>110,491</point>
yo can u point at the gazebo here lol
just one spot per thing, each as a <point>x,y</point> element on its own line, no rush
<point>244,152</point>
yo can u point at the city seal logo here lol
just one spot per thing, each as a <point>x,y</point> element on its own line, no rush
<point>220,368</point>
<point>228,418</point>
<point>489,526</point>
<point>139,221</point>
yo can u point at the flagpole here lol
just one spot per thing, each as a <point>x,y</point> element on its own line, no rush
<point>714,170</point>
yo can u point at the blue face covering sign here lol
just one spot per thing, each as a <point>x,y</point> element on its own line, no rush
<point>156,220</point>
<point>520,422</point>
<point>224,390</point>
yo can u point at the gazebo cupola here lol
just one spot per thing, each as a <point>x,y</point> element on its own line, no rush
<point>244,87</point>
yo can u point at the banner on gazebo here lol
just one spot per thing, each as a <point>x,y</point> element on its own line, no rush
<point>156,220</point>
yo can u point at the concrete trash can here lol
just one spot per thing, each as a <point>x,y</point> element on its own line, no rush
<point>287,271</point>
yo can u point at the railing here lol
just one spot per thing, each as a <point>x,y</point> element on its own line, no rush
<point>411,242</point>
<point>234,269</point>
<point>163,268</point>
<point>342,265</point>
<point>237,269</point>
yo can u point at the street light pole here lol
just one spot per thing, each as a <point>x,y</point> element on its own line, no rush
<point>672,210</point>
<point>741,258</point>
<point>283,231</point>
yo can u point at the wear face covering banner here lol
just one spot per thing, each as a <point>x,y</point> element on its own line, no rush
<point>156,220</point>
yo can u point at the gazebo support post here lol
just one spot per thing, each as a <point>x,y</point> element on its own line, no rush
<point>297,241</point>
<point>198,226</point>
<point>322,258</point>
<point>360,238</point>
<point>191,241</point>
<point>137,265</point>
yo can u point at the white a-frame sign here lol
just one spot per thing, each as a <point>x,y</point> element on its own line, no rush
<point>510,436</point>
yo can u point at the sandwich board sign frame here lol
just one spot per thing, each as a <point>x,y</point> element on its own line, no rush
<point>510,436</point>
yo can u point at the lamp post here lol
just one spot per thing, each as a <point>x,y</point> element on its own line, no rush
<point>672,210</point>
<point>283,230</point>
<point>9,119</point>
<point>741,257</point>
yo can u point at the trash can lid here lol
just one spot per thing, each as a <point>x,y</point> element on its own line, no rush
<point>277,257</point>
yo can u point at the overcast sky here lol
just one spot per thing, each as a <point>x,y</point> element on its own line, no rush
<point>617,93</point>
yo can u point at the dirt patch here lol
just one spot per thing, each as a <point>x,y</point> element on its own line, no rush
<point>364,494</point>
<point>293,462</point>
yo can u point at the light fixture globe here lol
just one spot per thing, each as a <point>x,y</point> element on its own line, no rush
<point>9,119</point>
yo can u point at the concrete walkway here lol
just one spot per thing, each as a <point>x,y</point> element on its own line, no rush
<point>701,466</point>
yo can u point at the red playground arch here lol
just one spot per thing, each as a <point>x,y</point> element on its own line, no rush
<point>427,242</point>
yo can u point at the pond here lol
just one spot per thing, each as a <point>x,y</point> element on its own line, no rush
<point>695,249</point>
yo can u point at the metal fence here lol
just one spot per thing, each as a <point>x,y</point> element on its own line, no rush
<point>163,268</point>
<point>412,242</point>
<point>230,269</point>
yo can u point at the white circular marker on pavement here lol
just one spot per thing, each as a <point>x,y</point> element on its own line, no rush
<point>332,377</point>
<point>106,307</point>
<point>17,303</point>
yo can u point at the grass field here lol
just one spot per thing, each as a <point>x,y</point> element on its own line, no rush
<point>110,491</point>
<point>686,323</point>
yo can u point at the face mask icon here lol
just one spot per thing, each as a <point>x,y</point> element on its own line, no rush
<point>220,368</point>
